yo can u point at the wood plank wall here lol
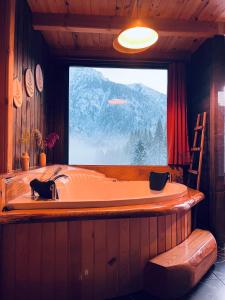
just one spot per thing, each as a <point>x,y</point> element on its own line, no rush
<point>93,259</point>
<point>7,22</point>
<point>199,82</point>
<point>206,78</point>
<point>30,49</point>
<point>57,110</point>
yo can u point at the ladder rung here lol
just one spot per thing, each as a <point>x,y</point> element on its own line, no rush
<point>198,128</point>
<point>193,172</point>
<point>195,149</point>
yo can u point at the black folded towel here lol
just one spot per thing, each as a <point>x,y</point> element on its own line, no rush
<point>157,181</point>
<point>43,188</point>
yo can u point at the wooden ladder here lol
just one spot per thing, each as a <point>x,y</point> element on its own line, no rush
<point>199,129</point>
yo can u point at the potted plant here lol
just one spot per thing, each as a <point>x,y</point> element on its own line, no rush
<point>44,144</point>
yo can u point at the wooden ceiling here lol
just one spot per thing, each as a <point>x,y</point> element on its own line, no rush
<point>86,28</point>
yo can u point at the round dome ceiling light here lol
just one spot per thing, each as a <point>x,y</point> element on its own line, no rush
<point>135,39</point>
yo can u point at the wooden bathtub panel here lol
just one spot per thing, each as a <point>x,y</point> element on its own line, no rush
<point>48,260</point>
<point>189,222</point>
<point>34,260</point>
<point>95,259</point>
<point>174,230</point>
<point>168,232</point>
<point>145,249</point>
<point>61,259</point>
<point>87,259</point>
<point>153,239</point>
<point>8,262</point>
<point>99,259</point>
<point>112,258</point>
<point>135,254</point>
<point>21,267</point>
<point>124,255</point>
<point>179,228</point>
<point>74,260</point>
<point>161,236</point>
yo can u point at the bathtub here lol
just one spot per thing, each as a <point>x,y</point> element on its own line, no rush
<point>89,189</point>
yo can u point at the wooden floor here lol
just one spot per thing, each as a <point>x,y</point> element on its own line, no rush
<point>211,287</point>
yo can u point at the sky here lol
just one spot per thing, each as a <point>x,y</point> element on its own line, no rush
<point>155,79</point>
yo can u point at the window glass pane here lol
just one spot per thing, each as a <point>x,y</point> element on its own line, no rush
<point>117,116</point>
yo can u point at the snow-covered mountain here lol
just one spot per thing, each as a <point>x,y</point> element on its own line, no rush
<point>91,112</point>
<point>113,123</point>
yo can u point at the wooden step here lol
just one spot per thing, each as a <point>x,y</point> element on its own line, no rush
<point>174,273</point>
<point>195,149</point>
<point>193,172</point>
<point>198,128</point>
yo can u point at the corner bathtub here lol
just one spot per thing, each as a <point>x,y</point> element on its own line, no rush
<point>89,189</point>
<point>91,237</point>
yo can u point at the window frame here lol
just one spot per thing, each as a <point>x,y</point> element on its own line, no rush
<point>119,171</point>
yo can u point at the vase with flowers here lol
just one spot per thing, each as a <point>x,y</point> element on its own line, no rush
<point>43,144</point>
<point>25,158</point>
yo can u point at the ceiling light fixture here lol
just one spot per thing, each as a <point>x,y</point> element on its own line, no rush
<point>136,38</point>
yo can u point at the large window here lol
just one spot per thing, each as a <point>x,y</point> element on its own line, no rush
<point>117,116</point>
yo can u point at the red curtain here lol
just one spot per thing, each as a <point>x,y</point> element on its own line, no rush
<point>177,132</point>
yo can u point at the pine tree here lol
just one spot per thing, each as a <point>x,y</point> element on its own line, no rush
<point>139,154</point>
<point>158,144</point>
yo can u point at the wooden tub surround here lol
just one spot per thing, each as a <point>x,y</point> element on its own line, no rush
<point>180,269</point>
<point>87,253</point>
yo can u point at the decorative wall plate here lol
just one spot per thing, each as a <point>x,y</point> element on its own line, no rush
<point>39,78</point>
<point>29,83</point>
<point>17,93</point>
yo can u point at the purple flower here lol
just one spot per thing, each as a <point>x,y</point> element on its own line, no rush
<point>51,140</point>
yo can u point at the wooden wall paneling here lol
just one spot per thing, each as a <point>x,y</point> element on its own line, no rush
<point>18,73</point>
<point>87,259</point>
<point>135,254</point>
<point>57,111</point>
<point>8,263</point>
<point>144,243</point>
<point>183,230</point>
<point>48,261</point>
<point>153,244</point>
<point>179,228</point>
<point>124,256</point>
<point>24,66</point>
<point>21,267</point>
<point>74,260</point>
<point>30,49</point>
<point>99,260</point>
<point>7,28</point>
<point>161,234</point>
<point>112,262</point>
<point>34,260</point>
<point>168,232</point>
<point>185,225</point>
<point>174,230</point>
<point>199,85</point>
<point>61,260</point>
<point>189,222</point>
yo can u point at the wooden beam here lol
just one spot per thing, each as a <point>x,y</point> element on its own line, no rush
<point>7,29</point>
<point>113,25</point>
<point>93,53</point>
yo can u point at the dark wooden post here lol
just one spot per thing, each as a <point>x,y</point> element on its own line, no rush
<point>7,29</point>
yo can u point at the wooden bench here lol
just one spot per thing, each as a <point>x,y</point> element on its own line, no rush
<point>172,274</point>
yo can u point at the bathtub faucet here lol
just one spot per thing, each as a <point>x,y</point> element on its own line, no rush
<point>53,188</point>
<point>45,189</point>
